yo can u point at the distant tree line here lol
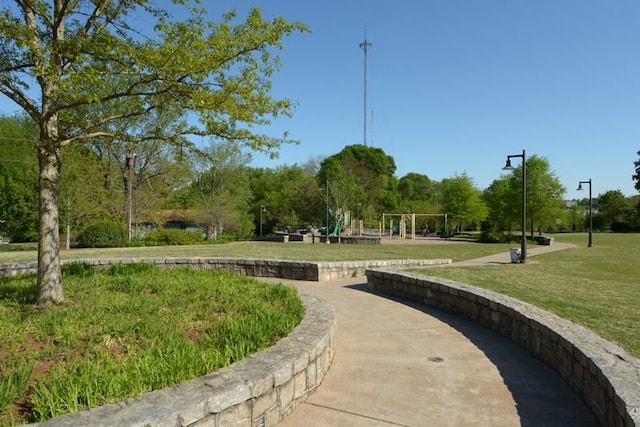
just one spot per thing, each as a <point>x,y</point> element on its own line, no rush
<point>214,190</point>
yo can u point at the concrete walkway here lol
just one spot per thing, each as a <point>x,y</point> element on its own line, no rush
<point>401,364</point>
<point>505,258</point>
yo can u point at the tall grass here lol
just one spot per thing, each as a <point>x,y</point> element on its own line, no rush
<point>127,330</point>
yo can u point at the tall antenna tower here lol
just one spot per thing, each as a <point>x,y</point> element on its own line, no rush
<point>365,45</point>
<point>372,129</point>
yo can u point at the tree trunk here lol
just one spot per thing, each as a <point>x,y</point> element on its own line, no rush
<point>50,289</point>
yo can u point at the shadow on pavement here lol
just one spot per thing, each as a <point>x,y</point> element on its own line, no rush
<point>541,396</point>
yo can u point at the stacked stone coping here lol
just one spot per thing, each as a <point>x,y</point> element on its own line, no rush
<point>259,390</point>
<point>283,269</point>
<point>602,374</point>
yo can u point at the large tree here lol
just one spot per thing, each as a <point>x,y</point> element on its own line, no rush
<point>502,213</point>
<point>545,196</point>
<point>158,165</point>
<point>18,179</point>
<point>77,67</point>
<point>614,206</point>
<point>82,193</point>
<point>462,201</point>
<point>290,196</point>
<point>361,178</point>
<point>418,193</point>
<point>222,191</point>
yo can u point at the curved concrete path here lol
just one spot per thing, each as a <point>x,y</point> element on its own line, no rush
<point>532,250</point>
<point>401,364</point>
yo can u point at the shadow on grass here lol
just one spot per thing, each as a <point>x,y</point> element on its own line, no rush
<point>20,290</point>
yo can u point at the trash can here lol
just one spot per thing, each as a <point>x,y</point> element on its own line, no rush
<point>515,255</point>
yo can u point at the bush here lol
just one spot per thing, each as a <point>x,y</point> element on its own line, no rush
<point>223,238</point>
<point>621,227</point>
<point>492,236</point>
<point>103,233</point>
<point>172,236</point>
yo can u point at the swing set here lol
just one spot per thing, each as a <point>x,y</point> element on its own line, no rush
<point>404,225</point>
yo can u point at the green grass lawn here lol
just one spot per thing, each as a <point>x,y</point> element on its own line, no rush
<point>597,287</point>
<point>297,251</point>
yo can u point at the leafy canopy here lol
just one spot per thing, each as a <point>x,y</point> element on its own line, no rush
<point>81,69</point>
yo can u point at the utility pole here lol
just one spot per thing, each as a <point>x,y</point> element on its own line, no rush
<point>365,45</point>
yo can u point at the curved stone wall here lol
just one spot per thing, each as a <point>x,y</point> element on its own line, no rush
<point>602,374</point>
<point>259,390</point>
<point>283,269</point>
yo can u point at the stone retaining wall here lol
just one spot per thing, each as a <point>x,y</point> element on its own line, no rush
<point>259,390</point>
<point>283,269</point>
<point>361,240</point>
<point>343,269</point>
<point>603,375</point>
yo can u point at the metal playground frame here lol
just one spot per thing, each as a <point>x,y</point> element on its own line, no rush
<point>407,224</point>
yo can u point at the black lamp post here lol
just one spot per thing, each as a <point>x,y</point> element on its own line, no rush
<point>590,210</point>
<point>327,200</point>
<point>262,211</point>
<point>507,166</point>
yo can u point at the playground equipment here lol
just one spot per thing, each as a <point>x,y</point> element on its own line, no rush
<point>337,221</point>
<point>404,225</point>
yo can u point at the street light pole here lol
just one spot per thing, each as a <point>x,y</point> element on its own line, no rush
<point>507,166</point>
<point>590,210</point>
<point>327,200</point>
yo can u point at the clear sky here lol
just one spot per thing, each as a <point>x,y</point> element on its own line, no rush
<point>454,86</point>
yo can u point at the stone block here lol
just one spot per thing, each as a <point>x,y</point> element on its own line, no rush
<point>300,385</point>
<point>312,376</point>
<point>238,415</point>
<point>264,403</point>
<point>285,397</point>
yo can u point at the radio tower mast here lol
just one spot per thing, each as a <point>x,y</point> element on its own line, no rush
<point>365,45</point>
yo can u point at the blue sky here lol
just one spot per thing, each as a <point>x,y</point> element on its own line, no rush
<point>454,86</point>
<point>457,85</point>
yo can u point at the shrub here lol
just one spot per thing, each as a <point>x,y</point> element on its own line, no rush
<point>172,236</point>
<point>620,227</point>
<point>103,233</point>
<point>79,269</point>
<point>492,236</point>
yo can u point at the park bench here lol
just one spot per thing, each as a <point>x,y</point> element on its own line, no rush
<point>543,240</point>
<point>447,234</point>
